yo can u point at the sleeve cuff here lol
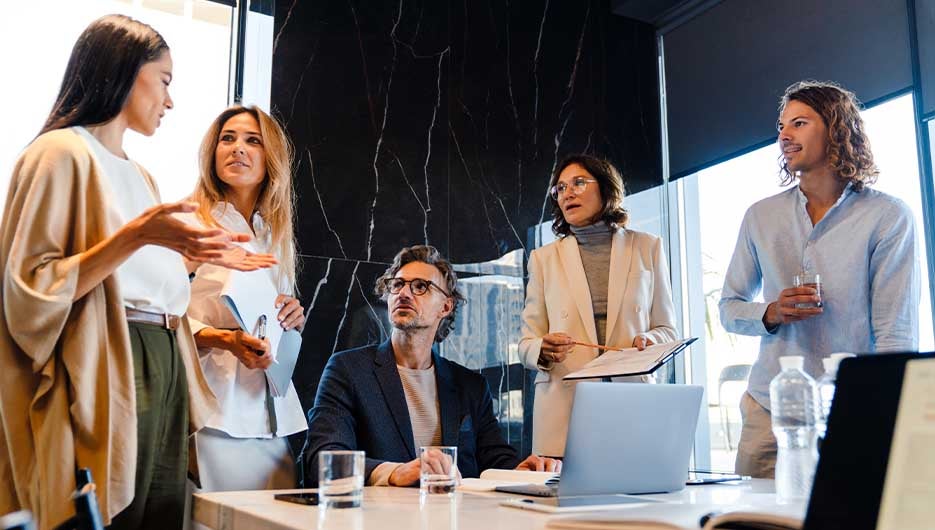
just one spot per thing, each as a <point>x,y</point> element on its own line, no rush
<point>380,476</point>
<point>196,325</point>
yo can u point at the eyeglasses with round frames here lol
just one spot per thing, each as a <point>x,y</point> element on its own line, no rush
<point>578,185</point>
<point>418,286</point>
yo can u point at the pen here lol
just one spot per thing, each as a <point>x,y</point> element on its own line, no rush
<point>598,346</point>
<point>261,329</point>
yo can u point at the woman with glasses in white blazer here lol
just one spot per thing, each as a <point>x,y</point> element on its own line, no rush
<point>599,283</point>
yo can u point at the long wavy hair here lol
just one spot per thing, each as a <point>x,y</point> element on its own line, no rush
<point>276,201</point>
<point>610,184</point>
<point>101,71</point>
<point>848,145</point>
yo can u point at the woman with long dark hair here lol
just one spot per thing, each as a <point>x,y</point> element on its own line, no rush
<point>601,282</point>
<point>97,369</point>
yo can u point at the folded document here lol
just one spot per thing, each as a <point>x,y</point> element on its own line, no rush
<point>250,296</point>
<point>675,516</point>
<point>493,478</point>
<point>630,361</point>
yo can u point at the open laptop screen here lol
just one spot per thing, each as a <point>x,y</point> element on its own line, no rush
<point>849,479</point>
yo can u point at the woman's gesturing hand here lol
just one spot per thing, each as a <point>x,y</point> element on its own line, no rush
<point>240,259</point>
<point>159,226</point>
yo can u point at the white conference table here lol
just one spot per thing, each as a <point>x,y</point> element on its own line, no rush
<point>389,508</point>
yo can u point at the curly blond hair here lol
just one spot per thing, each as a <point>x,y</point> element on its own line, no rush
<point>848,145</point>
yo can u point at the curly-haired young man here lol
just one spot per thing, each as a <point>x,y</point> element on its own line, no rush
<point>861,241</point>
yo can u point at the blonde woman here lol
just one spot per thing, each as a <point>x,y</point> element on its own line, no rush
<point>245,186</point>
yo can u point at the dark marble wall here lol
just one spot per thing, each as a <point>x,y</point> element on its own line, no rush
<point>440,122</point>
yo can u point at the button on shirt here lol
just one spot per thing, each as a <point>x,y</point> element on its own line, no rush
<point>866,252</point>
<point>241,391</point>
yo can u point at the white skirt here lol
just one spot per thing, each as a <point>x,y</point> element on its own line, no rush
<point>238,464</point>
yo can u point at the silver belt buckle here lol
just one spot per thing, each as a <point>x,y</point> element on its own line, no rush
<point>165,318</point>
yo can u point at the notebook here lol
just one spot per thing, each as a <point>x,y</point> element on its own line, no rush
<point>250,296</point>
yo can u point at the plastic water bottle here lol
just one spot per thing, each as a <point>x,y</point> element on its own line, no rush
<point>826,385</point>
<point>795,413</point>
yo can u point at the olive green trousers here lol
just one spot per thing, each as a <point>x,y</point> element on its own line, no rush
<point>162,432</point>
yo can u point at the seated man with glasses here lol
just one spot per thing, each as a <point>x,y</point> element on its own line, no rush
<point>390,399</point>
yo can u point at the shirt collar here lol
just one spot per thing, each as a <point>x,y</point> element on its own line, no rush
<point>848,191</point>
<point>228,216</point>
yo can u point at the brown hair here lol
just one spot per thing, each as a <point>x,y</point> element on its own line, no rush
<point>276,201</point>
<point>609,183</point>
<point>101,71</point>
<point>848,146</point>
<point>431,256</point>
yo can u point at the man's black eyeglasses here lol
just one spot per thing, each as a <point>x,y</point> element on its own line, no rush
<point>418,286</point>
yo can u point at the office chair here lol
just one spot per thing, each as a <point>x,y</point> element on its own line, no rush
<point>730,373</point>
<point>87,514</point>
<point>21,520</point>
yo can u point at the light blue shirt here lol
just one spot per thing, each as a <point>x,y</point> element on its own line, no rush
<point>866,252</point>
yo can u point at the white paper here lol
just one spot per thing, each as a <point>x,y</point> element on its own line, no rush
<point>628,361</point>
<point>909,489</point>
<point>679,516</point>
<point>518,476</point>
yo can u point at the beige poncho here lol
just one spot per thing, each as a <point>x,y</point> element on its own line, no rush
<point>67,394</point>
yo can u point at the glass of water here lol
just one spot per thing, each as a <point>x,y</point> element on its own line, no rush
<point>340,478</point>
<point>808,279</point>
<point>438,469</point>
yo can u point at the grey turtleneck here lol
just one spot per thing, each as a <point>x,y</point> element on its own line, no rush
<point>594,244</point>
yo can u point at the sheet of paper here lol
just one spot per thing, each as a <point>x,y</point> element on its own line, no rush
<point>628,361</point>
<point>909,487</point>
<point>480,484</point>
<point>518,476</point>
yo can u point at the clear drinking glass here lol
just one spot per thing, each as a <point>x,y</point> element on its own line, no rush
<point>438,469</point>
<point>340,478</point>
<point>808,279</point>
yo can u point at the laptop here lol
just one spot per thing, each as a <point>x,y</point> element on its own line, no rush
<point>851,470</point>
<point>626,438</point>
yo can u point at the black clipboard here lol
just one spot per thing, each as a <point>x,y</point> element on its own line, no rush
<point>679,348</point>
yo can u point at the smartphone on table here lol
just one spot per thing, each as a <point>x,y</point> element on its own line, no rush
<point>305,497</point>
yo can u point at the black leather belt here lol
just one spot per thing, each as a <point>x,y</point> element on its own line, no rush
<point>163,320</point>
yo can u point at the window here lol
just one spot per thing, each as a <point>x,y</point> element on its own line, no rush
<point>37,47</point>
<point>715,201</point>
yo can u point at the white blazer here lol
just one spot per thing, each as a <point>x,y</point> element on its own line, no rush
<point>639,302</point>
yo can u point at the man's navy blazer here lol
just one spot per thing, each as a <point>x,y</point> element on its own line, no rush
<point>361,405</point>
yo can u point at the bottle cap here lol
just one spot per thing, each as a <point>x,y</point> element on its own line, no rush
<point>792,362</point>
<point>831,365</point>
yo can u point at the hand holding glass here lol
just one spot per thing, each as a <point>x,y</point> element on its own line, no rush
<point>438,469</point>
<point>808,279</point>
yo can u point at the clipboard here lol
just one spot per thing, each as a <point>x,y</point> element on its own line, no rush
<point>256,295</point>
<point>630,361</point>
<point>279,374</point>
